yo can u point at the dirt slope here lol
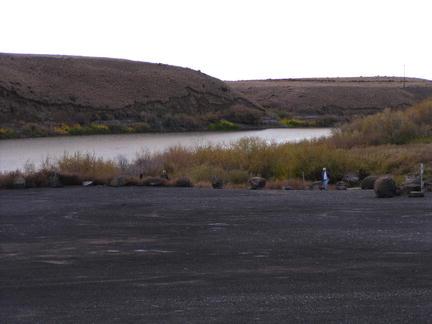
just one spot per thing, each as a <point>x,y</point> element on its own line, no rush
<point>334,98</point>
<point>53,89</point>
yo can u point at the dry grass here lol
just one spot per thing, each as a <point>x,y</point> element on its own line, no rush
<point>387,127</point>
<point>88,167</point>
<point>7,179</point>
<point>281,164</point>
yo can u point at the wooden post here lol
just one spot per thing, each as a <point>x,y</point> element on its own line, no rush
<point>421,176</point>
<point>303,180</point>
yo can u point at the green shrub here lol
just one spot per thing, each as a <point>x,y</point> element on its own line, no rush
<point>205,172</point>
<point>237,176</point>
<point>34,130</point>
<point>7,133</point>
<point>297,123</point>
<point>140,127</point>
<point>244,115</point>
<point>91,129</point>
<point>223,125</point>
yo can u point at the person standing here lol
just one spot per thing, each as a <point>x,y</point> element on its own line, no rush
<point>325,178</point>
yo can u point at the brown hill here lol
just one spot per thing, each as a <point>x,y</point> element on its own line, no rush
<point>334,99</point>
<point>49,90</point>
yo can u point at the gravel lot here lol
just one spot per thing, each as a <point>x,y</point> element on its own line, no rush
<point>137,254</point>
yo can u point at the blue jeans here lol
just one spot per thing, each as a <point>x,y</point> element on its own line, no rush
<point>325,184</point>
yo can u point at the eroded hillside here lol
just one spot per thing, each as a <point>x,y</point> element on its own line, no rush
<point>47,91</point>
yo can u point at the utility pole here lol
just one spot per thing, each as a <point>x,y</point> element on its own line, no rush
<point>404,79</point>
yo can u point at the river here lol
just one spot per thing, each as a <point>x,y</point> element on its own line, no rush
<point>15,153</point>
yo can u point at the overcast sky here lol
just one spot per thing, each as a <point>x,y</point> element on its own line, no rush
<point>232,39</point>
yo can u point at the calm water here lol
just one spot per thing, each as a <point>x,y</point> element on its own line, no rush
<point>14,154</point>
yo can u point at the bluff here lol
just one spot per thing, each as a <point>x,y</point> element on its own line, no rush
<point>39,92</point>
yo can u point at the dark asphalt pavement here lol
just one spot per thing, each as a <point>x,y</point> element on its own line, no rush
<point>172,255</point>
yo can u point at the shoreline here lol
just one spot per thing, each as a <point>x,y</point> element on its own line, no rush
<point>207,131</point>
<point>172,132</point>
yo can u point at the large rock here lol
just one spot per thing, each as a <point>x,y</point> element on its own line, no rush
<point>257,183</point>
<point>217,183</point>
<point>411,183</point>
<point>183,182</point>
<point>316,185</point>
<point>385,187</point>
<point>341,185</point>
<point>154,182</point>
<point>351,179</point>
<point>70,179</point>
<point>368,182</point>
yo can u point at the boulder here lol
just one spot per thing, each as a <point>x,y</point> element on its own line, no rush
<point>341,185</point>
<point>87,183</point>
<point>69,179</point>
<point>19,182</point>
<point>217,183</point>
<point>351,179</point>
<point>316,185</point>
<point>183,182</point>
<point>411,183</point>
<point>154,182</point>
<point>368,182</point>
<point>257,183</point>
<point>118,181</point>
<point>416,194</point>
<point>385,187</point>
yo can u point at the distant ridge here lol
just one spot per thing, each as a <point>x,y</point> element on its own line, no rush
<point>334,99</point>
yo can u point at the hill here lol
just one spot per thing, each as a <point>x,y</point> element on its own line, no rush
<point>39,93</point>
<point>330,100</point>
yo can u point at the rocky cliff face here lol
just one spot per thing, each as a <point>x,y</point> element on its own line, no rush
<point>49,90</point>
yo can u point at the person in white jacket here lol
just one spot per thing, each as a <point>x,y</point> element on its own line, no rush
<point>325,178</point>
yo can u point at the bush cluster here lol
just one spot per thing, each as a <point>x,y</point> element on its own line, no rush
<point>223,125</point>
<point>388,127</point>
<point>297,123</point>
<point>6,133</point>
<point>250,157</point>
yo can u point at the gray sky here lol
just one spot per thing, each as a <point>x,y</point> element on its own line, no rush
<point>232,39</point>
